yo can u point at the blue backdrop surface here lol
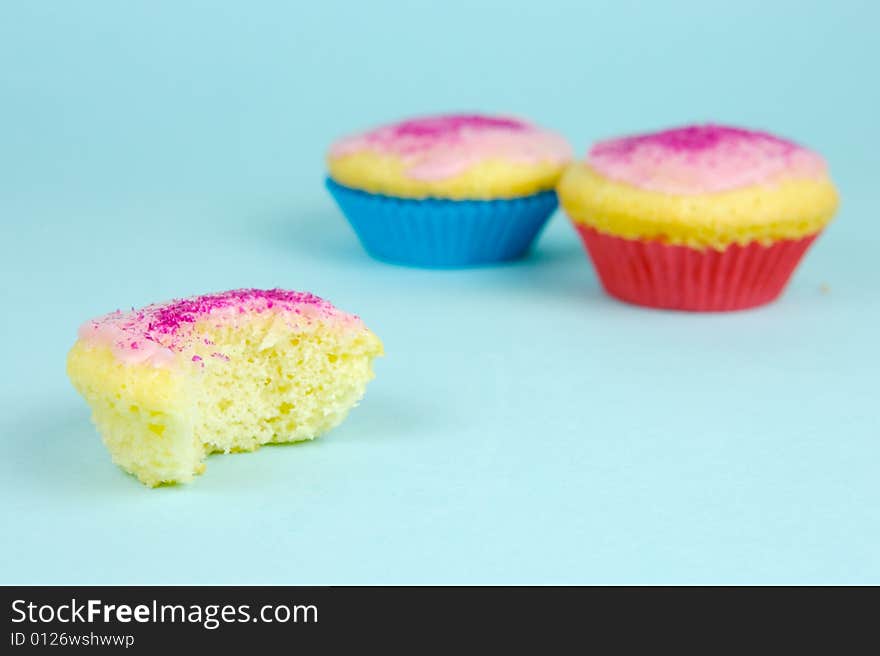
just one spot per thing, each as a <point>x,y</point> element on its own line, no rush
<point>523,427</point>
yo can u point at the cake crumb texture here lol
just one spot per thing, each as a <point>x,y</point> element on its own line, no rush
<point>229,376</point>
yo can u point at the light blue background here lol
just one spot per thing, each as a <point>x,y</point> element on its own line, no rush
<point>523,427</point>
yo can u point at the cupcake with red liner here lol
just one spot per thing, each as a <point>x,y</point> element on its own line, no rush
<point>699,218</point>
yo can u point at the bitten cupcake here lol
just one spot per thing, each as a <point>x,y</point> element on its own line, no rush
<point>173,382</point>
<point>700,218</point>
<point>446,191</point>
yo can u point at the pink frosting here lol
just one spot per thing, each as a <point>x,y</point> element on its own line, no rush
<point>159,333</point>
<point>439,147</point>
<point>703,159</point>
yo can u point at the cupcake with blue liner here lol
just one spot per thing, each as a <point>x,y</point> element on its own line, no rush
<point>448,191</point>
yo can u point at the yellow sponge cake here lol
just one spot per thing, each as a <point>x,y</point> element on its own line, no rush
<point>173,382</point>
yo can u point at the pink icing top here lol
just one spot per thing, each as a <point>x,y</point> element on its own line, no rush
<point>439,147</point>
<point>158,333</point>
<point>702,159</point>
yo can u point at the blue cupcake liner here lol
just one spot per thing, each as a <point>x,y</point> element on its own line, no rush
<point>444,233</point>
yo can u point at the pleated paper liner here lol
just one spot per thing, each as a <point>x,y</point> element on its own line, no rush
<point>444,233</point>
<point>654,274</point>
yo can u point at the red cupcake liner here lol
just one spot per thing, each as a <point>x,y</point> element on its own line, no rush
<point>654,274</point>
